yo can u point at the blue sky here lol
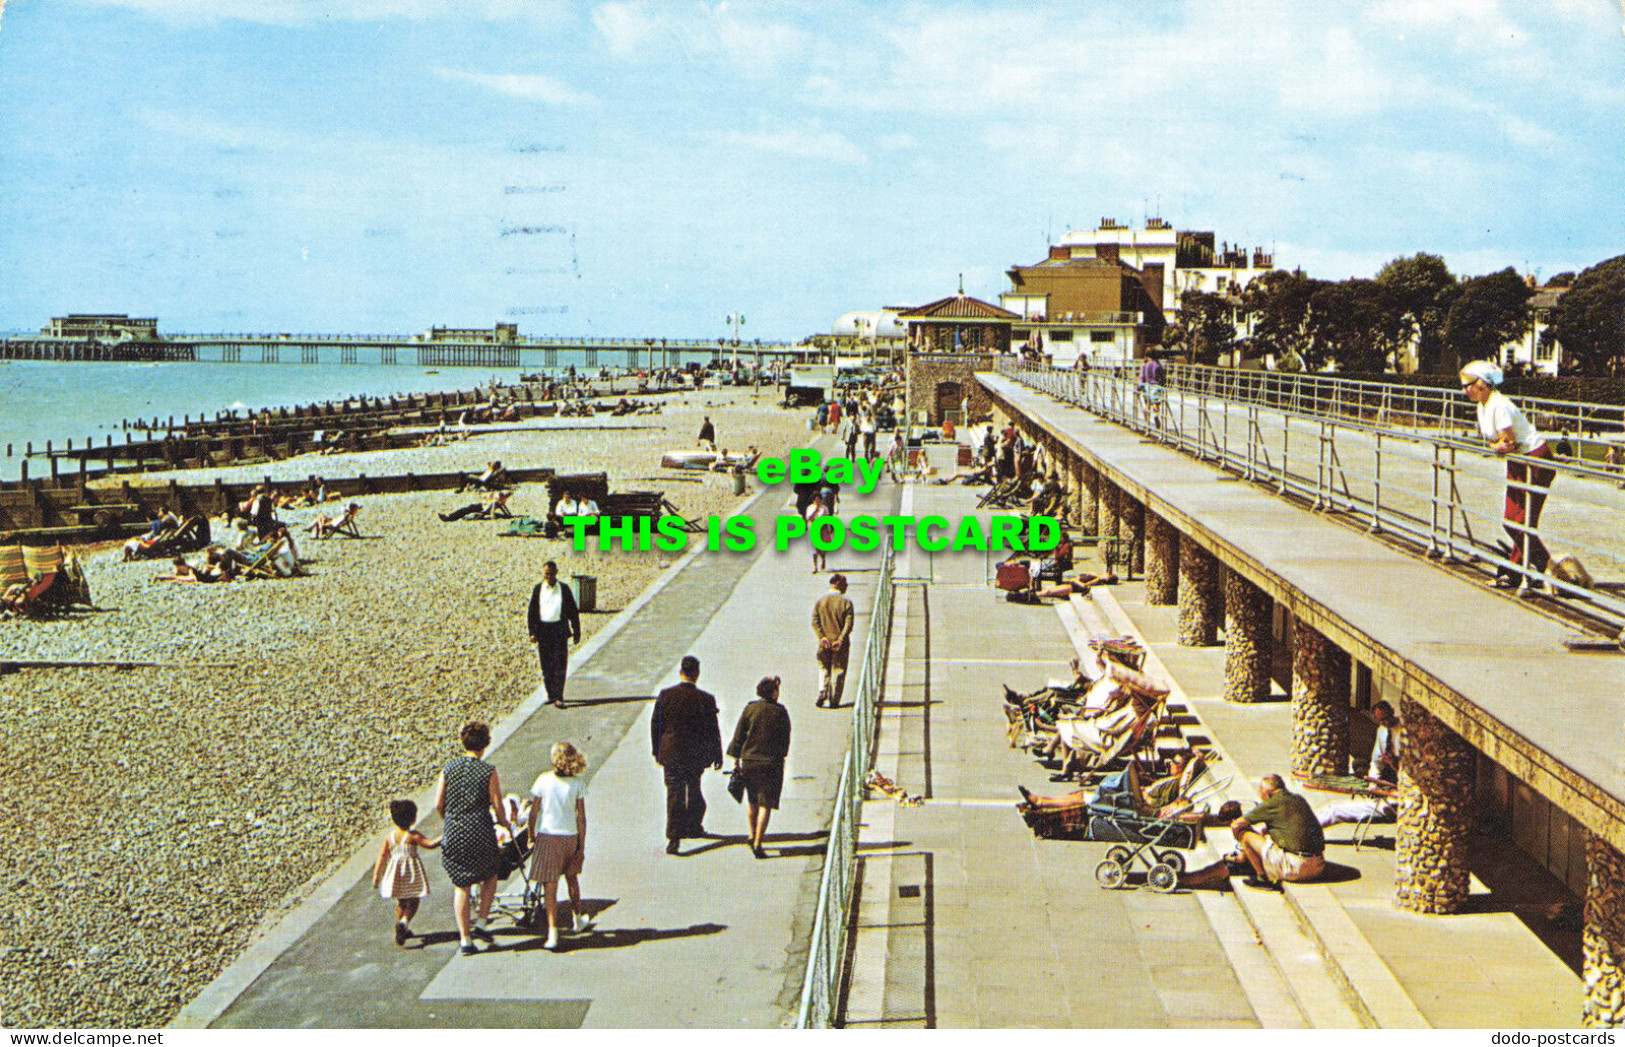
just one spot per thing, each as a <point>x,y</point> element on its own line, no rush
<point>645,169</point>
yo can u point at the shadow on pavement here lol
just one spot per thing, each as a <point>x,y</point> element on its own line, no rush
<point>581,703</point>
<point>609,939</point>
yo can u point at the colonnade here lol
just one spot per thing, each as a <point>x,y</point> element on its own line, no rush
<point>1218,604</point>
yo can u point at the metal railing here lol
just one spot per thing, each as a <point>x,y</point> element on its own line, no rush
<point>1430,489</point>
<point>826,956</point>
<point>1383,405</point>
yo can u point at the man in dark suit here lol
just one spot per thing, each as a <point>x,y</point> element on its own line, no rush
<point>554,625</point>
<point>686,738</point>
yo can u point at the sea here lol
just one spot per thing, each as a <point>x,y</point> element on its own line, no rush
<point>46,400</point>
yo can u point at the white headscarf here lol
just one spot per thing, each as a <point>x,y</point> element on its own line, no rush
<point>1481,370</point>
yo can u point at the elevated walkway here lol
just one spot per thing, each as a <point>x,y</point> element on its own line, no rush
<point>1484,665</point>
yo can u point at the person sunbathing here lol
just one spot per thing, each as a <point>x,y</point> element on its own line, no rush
<point>1081,584</point>
<point>325,526</point>
<point>493,505</point>
<point>1163,798</point>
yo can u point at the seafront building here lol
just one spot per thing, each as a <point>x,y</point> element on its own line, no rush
<point>1108,292</point>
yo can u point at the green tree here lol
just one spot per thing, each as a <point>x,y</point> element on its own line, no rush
<point>1210,331</point>
<point>1278,304</point>
<point>1350,324</point>
<point>1417,293</point>
<point>1489,312</point>
<point>1589,320</point>
<point>1563,279</point>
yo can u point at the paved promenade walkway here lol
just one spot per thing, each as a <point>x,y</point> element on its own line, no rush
<point>965,919</point>
<point>713,938</point>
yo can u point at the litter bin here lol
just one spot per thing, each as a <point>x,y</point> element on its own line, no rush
<point>586,586</point>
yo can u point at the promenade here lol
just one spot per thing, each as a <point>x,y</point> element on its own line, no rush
<point>962,918</point>
<point>966,920</point>
<point>711,938</point>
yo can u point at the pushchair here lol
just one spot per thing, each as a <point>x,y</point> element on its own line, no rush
<point>520,903</point>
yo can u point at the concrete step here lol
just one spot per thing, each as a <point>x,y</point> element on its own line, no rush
<point>1349,984</point>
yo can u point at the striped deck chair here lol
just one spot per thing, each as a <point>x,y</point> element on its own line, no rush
<point>12,569</point>
<point>262,567</point>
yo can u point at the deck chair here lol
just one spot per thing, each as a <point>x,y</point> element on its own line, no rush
<point>1088,746</point>
<point>263,565</point>
<point>344,525</point>
<point>12,568</point>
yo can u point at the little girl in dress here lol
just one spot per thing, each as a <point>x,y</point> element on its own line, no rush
<point>399,875</point>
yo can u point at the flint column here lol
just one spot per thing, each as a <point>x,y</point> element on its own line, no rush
<point>1161,561</point>
<point>1088,499</point>
<point>1436,776</point>
<point>1074,491</point>
<point>1247,640</point>
<point>1320,704</point>
<point>1132,527</point>
<point>1109,493</point>
<point>1200,603</point>
<point>1603,942</point>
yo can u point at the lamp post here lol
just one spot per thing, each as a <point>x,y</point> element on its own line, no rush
<point>736,319</point>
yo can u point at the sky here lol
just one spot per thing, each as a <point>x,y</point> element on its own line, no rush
<point>649,169</point>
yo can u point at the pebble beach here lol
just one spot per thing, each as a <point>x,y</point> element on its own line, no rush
<point>153,819</point>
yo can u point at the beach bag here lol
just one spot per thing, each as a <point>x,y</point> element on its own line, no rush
<point>1012,577</point>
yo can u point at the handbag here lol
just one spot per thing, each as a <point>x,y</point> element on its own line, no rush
<point>736,784</point>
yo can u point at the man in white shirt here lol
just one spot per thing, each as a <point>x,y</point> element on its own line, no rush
<point>554,624</point>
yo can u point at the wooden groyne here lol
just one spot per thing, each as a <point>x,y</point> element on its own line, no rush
<point>38,512</point>
<point>273,434</point>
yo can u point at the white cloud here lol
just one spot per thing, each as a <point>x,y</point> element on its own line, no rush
<point>1522,132</point>
<point>640,31</point>
<point>532,87</point>
<point>806,145</point>
<point>900,142</point>
<point>303,12</point>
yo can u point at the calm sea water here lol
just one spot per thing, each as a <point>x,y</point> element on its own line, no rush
<point>42,401</point>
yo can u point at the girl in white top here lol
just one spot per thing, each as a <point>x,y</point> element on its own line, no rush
<point>558,827</point>
<point>1510,433</point>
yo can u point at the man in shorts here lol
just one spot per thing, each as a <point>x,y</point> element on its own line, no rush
<point>1292,847</point>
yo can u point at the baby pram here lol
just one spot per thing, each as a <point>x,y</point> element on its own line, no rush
<point>1119,816</point>
<point>1118,813</point>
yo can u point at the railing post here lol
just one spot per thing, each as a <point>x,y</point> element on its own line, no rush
<point>1376,488</point>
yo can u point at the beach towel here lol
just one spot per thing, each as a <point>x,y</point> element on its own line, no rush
<point>526,527</point>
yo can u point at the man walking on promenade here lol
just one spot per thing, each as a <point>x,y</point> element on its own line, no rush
<point>554,624</point>
<point>708,435</point>
<point>685,738</point>
<point>832,620</point>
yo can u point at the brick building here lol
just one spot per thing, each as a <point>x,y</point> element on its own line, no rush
<point>949,340</point>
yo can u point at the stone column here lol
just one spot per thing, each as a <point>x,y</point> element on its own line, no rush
<point>1088,499</point>
<point>1132,527</point>
<point>1200,606</point>
<point>1603,943</point>
<point>1074,491</point>
<point>1108,509</point>
<point>1161,561</point>
<point>1436,776</point>
<point>1247,640</point>
<point>1320,704</point>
